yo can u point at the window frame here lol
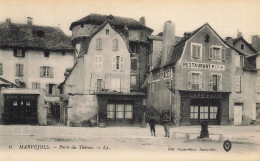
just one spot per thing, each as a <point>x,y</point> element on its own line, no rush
<point>118,64</point>
<point>200,54</point>
<point>36,85</point>
<point>134,59</point>
<point>221,53</point>
<point>219,88</point>
<point>201,83</point>
<point>238,83</point>
<point>99,44</point>
<point>133,75</point>
<point>19,70</point>
<point>98,65</point>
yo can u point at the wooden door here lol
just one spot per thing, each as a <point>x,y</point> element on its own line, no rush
<point>237,115</point>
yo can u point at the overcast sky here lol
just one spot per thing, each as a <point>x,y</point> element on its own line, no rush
<point>225,16</point>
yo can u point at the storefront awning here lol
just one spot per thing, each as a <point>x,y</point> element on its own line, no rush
<point>121,93</point>
<point>20,91</point>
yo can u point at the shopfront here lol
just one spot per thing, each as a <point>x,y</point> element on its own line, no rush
<point>204,106</point>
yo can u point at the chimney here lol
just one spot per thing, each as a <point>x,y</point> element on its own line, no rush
<point>142,20</point>
<point>8,20</point>
<point>186,34</point>
<point>168,40</point>
<point>126,32</point>
<point>29,21</point>
<point>239,34</point>
<point>229,40</point>
<point>256,42</point>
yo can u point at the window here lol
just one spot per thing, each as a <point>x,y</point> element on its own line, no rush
<point>194,112</point>
<point>134,63</point>
<point>28,103</point>
<point>52,89</point>
<point>115,84</point>
<point>99,84</point>
<point>213,112</point>
<point>115,44</point>
<point>242,46</point>
<point>107,31</point>
<point>19,52</point>
<point>19,69</point>
<point>46,54</point>
<point>119,111</point>
<point>196,81</point>
<point>46,72</point>
<point>152,87</point>
<point>216,53</point>
<point>110,111</point>
<point>14,103</point>
<point>241,61</point>
<point>258,85</point>
<point>204,112</point>
<point>128,111</point>
<point>118,63</point>
<point>207,38</point>
<point>134,47</point>
<point>1,69</point>
<point>36,85</point>
<point>238,87</point>
<point>99,44</point>
<point>98,62</point>
<point>215,82</point>
<point>196,50</point>
<point>133,80</point>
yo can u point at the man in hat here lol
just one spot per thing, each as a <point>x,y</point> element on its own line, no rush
<point>152,123</point>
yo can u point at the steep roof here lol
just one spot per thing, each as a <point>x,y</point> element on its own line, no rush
<point>33,37</point>
<point>98,19</point>
<point>248,45</point>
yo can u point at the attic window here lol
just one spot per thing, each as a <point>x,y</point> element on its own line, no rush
<point>82,25</point>
<point>207,38</point>
<point>242,46</point>
<point>46,53</point>
<point>39,33</point>
<point>107,31</point>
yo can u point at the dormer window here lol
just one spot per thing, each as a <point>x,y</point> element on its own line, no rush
<point>47,54</point>
<point>19,52</point>
<point>242,46</point>
<point>39,34</point>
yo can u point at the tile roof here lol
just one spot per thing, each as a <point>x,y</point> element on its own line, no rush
<point>248,45</point>
<point>99,19</point>
<point>33,37</point>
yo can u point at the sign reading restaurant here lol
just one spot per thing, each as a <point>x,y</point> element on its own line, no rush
<point>203,66</point>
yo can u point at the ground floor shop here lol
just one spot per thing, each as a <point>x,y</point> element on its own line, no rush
<point>196,107</point>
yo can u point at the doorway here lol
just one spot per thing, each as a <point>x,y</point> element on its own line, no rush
<point>238,109</point>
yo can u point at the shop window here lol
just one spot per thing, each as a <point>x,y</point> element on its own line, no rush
<point>115,45</point>
<point>1,69</point>
<point>194,112</point>
<point>118,63</point>
<point>46,72</point>
<point>258,84</point>
<point>196,50</point>
<point>110,111</point>
<point>216,53</point>
<point>128,111</point>
<point>28,103</point>
<point>21,102</point>
<point>215,82</point>
<point>19,52</point>
<point>19,69</point>
<point>14,103</point>
<point>213,112</point>
<point>98,62</point>
<point>238,87</point>
<point>133,80</point>
<point>134,63</point>
<point>36,85</point>
<point>99,44</point>
<point>204,112</point>
<point>196,81</point>
<point>119,111</point>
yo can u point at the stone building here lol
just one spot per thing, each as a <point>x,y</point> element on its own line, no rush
<point>135,32</point>
<point>97,90</point>
<point>35,57</point>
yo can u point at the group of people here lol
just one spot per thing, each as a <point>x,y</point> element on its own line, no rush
<point>166,124</point>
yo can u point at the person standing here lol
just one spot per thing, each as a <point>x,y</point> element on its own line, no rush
<point>166,122</point>
<point>152,123</point>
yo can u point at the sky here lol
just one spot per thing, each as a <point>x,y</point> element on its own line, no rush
<point>226,17</point>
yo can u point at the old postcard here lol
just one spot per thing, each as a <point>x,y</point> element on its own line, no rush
<point>129,80</point>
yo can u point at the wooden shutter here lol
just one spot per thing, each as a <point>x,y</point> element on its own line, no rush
<point>97,44</point>
<point>203,52</point>
<point>237,86</point>
<point>51,72</point>
<point>41,71</point>
<point>117,45</point>
<point>254,111</point>
<point>114,44</point>
<point>193,52</point>
<point>114,63</point>
<point>122,65</point>
<point>1,69</point>
<point>210,82</point>
<point>100,44</point>
<point>210,52</point>
<point>33,85</point>
<point>202,81</point>
<point>223,54</point>
<point>17,70</point>
<point>219,82</point>
<point>101,62</point>
<point>189,80</point>
<point>38,85</point>
<point>21,69</point>
<point>47,89</point>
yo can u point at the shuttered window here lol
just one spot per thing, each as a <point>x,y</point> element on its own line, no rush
<point>19,52</point>
<point>196,81</point>
<point>196,50</point>
<point>238,83</point>
<point>216,53</point>
<point>115,45</point>
<point>46,72</point>
<point>1,69</point>
<point>52,89</point>
<point>19,69</point>
<point>36,85</point>
<point>98,62</point>
<point>118,63</point>
<point>258,85</point>
<point>215,82</point>
<point>99,44</point>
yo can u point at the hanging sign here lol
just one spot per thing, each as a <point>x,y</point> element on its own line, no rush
<point>164,74</point>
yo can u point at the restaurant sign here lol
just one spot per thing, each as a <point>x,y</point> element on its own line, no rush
<point>203,66</point>
<point>164,74</point>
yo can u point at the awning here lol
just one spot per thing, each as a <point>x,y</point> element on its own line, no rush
<point>121,93</point>
<point>52,99</point>
<point>20,91</point>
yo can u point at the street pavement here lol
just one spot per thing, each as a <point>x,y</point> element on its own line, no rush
<point>25,138</point>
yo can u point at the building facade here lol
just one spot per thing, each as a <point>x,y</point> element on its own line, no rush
<point>35,57</point>
<point>100,80</point>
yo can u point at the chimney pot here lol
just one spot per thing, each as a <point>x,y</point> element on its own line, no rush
<point>29,21</point>
<point>8,20</point>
